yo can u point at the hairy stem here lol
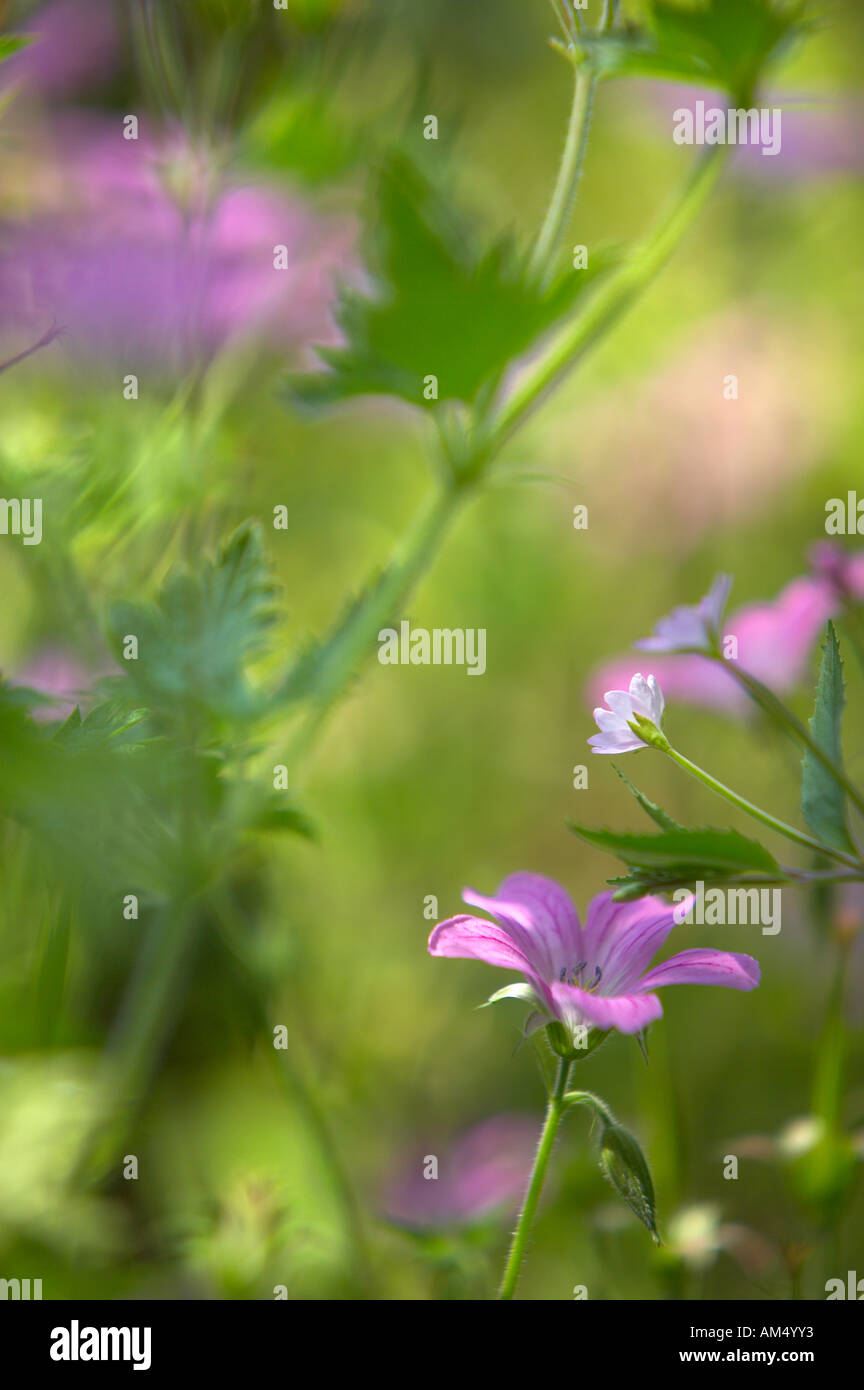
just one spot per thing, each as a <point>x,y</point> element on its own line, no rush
<point>548,1134</point>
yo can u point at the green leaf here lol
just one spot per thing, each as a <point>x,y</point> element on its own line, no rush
<point>320,666</point>
<point>195,642</point>
<point>623,1163</point>
<point>621,1159</point>
<point>722,43</point>
<point>275,816</point>
<point>657,814</point>
<point>724,851</point>
<point>11,43</point>
<point>823,800</point>
<point>439,309</point>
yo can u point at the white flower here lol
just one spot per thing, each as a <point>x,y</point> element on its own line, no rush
<point>643,701</point>
<point>697,628</point>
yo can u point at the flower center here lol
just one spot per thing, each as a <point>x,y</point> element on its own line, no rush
<point>575,977</point>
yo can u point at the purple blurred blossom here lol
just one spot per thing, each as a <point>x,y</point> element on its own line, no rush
<point>775,640</point>
<point>128,268</point>
<point>77,43</point>
<point>696,626</point>
<point>819,137</point>
<point>55,671</point>
<point>484,1170</point>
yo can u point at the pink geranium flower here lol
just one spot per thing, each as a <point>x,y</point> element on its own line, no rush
<point>594,976</point>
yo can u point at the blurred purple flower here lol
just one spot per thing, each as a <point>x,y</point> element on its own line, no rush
<point>591,977</point>
<point>142,249</point>
<point>841,568</point>
<point>54,671</point>
<point>486,1170</point>
<point>774,642</point>
<point>696,627</point>
<point>818,137</point>
<point>76,44</point>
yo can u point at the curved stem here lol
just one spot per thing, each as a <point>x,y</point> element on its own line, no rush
<point>398,581</point>
<point>611,299</point>
<point>554,1111</point>
<point>781,827</point>
<point>569,173</point>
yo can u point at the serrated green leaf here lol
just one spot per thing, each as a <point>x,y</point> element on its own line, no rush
<point>194,643</point>
<point>823,800</point>
<point>439,308</point>
<point>698,848</point>
<point>656,813</point>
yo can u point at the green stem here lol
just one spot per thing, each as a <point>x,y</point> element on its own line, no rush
<point>398,582</point>
<point>611,299</point>
<point>548,1134</point>
<point>569,173</point>
<point>799,836</point>
<point>768,701</point>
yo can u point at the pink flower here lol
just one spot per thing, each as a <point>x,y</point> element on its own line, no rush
<point>484,1171</point>
<point>76,44</point>
<point>698,628</point>
<point>53,671</point>
<point>593,976</point>
<point>142,250</point>
<point>643,700</point>
<point>840,568</point>
<point>774,643</point>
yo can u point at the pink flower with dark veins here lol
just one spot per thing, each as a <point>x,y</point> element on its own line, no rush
<point>594,976</point>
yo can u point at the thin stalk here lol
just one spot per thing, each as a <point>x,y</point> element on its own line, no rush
<point>548,1134</point>
<point>799,836</point>
<point>564,194</point>
<point>611,299</point>
<point>399,580</point>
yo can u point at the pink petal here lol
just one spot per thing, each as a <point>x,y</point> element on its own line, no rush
<point>702,966</point>
<point>539,916</point>
<point>622,938</point>
<point>629,1013</point>
<point>476,938</point>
